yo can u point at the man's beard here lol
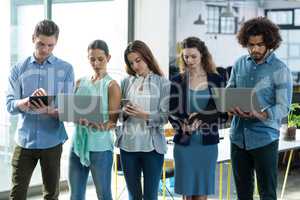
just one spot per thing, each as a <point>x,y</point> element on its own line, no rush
<point>257,56</point>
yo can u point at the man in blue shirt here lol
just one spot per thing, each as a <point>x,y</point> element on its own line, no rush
<point>254,135</point>
<point>40,134</point>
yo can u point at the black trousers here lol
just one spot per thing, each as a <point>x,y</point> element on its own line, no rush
<point>23,163</point>
<point>263,161</point>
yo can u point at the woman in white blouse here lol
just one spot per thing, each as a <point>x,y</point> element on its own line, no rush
<point>140,139</point>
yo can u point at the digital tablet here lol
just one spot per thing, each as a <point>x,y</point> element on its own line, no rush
<point>45,99</point>
<point>228,98</point>
<point>73,107</point>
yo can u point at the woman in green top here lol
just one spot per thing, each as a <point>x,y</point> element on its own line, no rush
<point>92,147</point>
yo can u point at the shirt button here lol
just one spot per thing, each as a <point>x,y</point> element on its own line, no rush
<point>254,68</point>
<point>251,78</point>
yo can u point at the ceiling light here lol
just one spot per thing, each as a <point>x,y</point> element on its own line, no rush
<point>199,21</point>
<point>228,12</point>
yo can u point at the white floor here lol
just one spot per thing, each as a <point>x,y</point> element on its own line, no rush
<point>292,189</point>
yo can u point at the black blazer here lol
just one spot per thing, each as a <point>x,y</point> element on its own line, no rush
<point>179,109</point>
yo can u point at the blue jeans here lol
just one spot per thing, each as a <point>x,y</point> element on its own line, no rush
<point>101,166</point>
<point>133,164</point>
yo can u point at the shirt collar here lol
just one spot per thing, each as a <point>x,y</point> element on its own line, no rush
<point>50,59</point>
<point>267,60</point>
<point>147,77</point>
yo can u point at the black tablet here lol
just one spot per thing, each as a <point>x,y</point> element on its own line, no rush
<point>45,99</point>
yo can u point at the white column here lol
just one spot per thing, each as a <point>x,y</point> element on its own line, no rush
<point>152,26</point>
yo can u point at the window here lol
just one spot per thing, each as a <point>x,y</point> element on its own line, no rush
<point>17,42</point>
<point>218,24</point>
<point>285,18</point>
<point>106,20</point>
<point>5,141</point>
<point>281,17</point>
<point>297,17</point>
<point>213,19</point>
<point>289,51</point>
<point>288,21</point>
<point>85,21</point>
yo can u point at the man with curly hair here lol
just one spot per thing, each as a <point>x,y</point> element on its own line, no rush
<point>254,135</point>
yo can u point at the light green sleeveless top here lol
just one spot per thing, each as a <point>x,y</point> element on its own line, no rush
<point>87,139</point>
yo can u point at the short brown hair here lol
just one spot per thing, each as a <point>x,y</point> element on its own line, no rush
<point>140,47</point>
<point>46,27</point>
<point>260,26</point>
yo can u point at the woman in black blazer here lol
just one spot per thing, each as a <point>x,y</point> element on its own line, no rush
<point>196,121</point>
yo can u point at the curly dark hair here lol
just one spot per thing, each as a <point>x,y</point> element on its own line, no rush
<point>206,59</point>
<point>260,26</point>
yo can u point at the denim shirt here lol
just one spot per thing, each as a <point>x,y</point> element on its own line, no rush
<point>271,80</point>
<point>38,131</point>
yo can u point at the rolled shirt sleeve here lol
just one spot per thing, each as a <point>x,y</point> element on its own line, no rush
<point>13,93</point>
<point>283,95</point>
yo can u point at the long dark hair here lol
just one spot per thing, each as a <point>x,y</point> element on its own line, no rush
<point>260,26</point>
<point>140,47</point>
<point>99,44</point>
<point>206,58</point>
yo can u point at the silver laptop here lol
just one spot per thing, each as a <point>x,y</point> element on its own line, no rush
<point>244,98</point>
<point>73,107</point>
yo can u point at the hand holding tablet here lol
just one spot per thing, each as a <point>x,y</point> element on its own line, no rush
<point>38,99</point>
<point>242,102</point>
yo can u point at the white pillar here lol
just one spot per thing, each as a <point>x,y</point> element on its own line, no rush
<point>152,26</point>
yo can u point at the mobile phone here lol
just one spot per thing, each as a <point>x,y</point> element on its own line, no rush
<point>44,99</point>
<point>124,102</point>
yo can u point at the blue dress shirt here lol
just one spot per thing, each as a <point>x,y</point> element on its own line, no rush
<point>272,83</point>
<point>39,131</point>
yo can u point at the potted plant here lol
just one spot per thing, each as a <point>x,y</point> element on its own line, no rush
<point>293,122</point>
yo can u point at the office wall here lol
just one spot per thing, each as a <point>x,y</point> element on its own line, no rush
<point>281,4</point>
<point>224,47</point>
<point>152,26</point>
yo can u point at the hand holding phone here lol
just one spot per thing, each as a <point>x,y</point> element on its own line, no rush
<point>36,100</point>
<point>125,102</point>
